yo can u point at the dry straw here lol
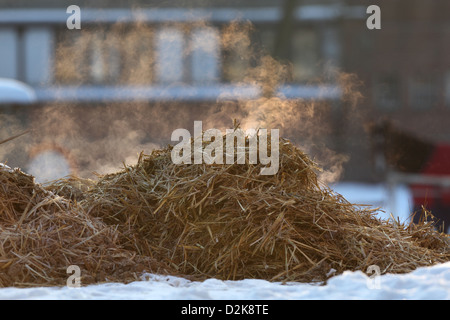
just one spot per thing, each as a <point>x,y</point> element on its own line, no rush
<point>200,221</point>
<point>42,234</point>
<point>229,222</point>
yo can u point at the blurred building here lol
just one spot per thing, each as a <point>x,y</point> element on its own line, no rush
<point>30,32</point>
<point>404,68</point>
<point>158,52</point>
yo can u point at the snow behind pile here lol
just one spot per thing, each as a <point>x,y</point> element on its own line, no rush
<point>421,284</point>
<point>397,202</point>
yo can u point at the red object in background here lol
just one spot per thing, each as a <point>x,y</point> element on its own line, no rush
<point>438,165</point>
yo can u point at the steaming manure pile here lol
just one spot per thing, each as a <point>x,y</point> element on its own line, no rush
<point>230,222</point>
<point>201,221</point>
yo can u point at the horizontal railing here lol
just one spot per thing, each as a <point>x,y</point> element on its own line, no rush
<point>155,15</point>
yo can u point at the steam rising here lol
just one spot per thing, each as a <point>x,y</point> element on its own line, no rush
<point>101,137</point>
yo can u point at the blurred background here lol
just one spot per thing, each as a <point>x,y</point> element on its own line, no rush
<point>371,106</point>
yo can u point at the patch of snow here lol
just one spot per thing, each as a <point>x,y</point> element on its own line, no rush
<point>398,202</point>
<point>5,167</point>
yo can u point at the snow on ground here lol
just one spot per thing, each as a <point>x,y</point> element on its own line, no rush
<point>398,201</point>
<point>421,284</point>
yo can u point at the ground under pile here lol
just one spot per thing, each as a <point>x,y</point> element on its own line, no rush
<point>230,222</point>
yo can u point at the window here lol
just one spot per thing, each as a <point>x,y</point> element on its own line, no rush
<point>104,56</point>
<point>89,56</point>
<point>387,93</point>
<point>236,54</point>
<point>267,40</point>
<point>71,65</point>
<point>305,55</point>
<point>9,39</point>
<point>138,59</point>
<point>185,54</point>
<point>205,55</point>
<point>141,55</point>
<point>170,51</point>
<point>423,91</point>
<point>38,54</point>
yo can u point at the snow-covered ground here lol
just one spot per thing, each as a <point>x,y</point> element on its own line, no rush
<point>424,283</point>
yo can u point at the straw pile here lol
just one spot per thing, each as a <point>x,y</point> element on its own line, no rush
<point>199,221</point>
<point>42,234</point>
<point>229,222</point>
